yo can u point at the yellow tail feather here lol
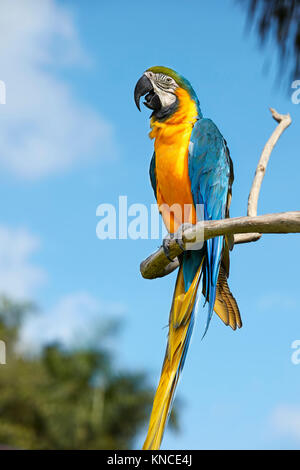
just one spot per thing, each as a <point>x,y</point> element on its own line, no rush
<point>179,321</point>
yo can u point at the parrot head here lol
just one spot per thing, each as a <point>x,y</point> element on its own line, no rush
<point>160,86</point>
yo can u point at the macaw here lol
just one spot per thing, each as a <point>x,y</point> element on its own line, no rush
<point>190,165</point>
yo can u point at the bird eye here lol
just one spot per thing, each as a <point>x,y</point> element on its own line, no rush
<point>164,78</point>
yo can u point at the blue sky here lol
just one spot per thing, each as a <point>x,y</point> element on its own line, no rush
<point>71,139</point>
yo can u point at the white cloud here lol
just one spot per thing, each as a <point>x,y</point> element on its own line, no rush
<point>76,318</point>
<point>43,128</point>
<point>18,275</point>
<point>285,421</point>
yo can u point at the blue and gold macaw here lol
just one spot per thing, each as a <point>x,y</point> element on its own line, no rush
<point>190,166</point>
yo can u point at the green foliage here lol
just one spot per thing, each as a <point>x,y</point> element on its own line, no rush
<point>66,399</point>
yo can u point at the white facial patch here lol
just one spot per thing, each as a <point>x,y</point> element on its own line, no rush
<point>166,98</point>
<point>165,91</point>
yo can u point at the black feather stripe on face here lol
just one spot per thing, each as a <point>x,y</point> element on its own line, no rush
<point>165,113</point>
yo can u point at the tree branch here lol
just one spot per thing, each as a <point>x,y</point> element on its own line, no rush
<point>284,120</point>
<point>158,265</point>
<point>245,229</point>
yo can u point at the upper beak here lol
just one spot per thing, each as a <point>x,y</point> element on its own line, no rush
<point>142,87</point>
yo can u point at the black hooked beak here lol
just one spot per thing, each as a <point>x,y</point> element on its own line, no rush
<point>145,87</point>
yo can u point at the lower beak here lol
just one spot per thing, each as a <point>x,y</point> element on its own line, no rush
<point>145,87</point>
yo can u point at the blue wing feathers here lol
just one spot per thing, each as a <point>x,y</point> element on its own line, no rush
<point>209,170</point>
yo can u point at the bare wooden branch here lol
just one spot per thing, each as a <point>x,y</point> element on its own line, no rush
<point>284,120</point>
<point>157,264</point>
<point>245,229</point>
<point>240,238</point>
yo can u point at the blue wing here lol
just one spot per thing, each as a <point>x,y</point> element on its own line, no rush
<point>209,172</point>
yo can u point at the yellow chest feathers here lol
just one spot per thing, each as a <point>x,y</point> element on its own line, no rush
<point>172,139</point>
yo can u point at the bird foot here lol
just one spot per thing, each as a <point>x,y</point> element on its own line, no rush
<point>166,245</point>
<point>177,236</point>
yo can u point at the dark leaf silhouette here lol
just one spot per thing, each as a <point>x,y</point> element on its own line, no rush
<point>66,398</point>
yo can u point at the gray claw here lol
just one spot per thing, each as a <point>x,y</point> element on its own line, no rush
<point>166,246</point>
